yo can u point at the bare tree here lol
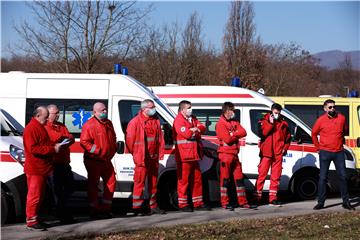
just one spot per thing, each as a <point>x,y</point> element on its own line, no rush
<point>290,71</point>
<point>75,34</point>
<point>243,54</point>
<point>192,51</point>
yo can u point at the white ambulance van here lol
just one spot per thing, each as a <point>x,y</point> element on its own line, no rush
<point>300,165</point>
<point>75,94</point>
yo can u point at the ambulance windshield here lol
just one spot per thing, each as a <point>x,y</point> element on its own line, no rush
<point>9,126</point>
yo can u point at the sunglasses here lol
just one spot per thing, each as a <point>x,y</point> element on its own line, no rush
<point>331,107</point>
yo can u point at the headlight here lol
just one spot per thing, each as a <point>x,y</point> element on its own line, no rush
<point>17,154</point>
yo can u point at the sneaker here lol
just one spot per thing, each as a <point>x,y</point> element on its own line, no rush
<point>229,207</point>
<point>348,206</point>
<point>202,208</point>
<point>157,210</point>
<point>247,206</point>
<point>36,227</point>
<point>275,203</point>
<point>186,209</point>
<point>319,206</point>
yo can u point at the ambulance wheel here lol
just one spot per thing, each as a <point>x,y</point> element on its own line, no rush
<point>306,185</point>
<point>167,194</point>
<point>4,207</point>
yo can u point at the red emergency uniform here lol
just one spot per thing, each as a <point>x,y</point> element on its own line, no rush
<point>229,132</point>
<point>188,151</point>
<point>274,143</point>
<point>58,132</point>
<point>98,139</point>
<point>39,152</point>
<point>145,141</point>
<point>63,179</point>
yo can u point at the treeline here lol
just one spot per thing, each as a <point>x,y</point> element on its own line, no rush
<point>92,43</point>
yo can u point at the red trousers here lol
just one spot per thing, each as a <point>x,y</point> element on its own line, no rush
<point>276,167</point>
<point>36,188</point>
<point>230,165</point>
<point>105,170</point>
<point>189,176</point>
<point>150,173</point>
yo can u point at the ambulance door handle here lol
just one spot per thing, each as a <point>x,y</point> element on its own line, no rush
<point>251,143</point>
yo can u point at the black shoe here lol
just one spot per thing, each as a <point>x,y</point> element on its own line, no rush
<point>319,206</point>
<point>347,206</point>
<point>202,208</point>
<point>229,207</point>
<point>141,212</point>
<point>157,210</point>
<point>101,215</point>
<point>186,209</point>
<point>37,227</point>
<point>275,203</point>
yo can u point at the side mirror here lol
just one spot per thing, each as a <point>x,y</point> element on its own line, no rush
<point>358,142</point>
<point>120,147</point>
<point>17,154</point>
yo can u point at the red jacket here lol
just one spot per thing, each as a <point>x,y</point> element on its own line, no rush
<point>39,149</point>
<point>229,143</point>
<point>98,139</point>
<point>275,138</point>
<point>58,132</point>
<point>331,130</point>
<point>136,136</point>
<point>188,145</point>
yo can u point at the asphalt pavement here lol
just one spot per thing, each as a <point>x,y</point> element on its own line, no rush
<point>131,222</point>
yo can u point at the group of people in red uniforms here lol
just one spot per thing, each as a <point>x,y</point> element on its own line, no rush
<point>47,148</point>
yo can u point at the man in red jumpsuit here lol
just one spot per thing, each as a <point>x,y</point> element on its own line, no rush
<point>187,132</point>
<point>274,143</point>
<point>39,152</point>
<point>99,142</point>
<point>229,132</point>
<point>63,179</point>
<point>145,141</point>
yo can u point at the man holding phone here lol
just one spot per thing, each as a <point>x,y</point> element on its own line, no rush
<point>275,140</point>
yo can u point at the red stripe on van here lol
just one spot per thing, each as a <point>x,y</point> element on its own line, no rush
<point>205,96</point>
<point>350,142</point>
<point>76,148</point>
<point>5,157</point>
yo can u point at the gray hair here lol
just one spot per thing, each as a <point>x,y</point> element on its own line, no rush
<point>145,103</point>
<point>52,106</point>
<point>38,110</point>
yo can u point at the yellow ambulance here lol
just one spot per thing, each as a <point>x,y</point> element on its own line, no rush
<point>310,108</point>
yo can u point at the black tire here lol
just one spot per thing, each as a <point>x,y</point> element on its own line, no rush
<point>306,186</point>
<point>4,207</point>
<point>167,193</point>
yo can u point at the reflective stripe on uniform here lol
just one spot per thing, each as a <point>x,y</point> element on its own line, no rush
<point>240,188</point>
<point>150,139</point>
<point>185,141</point>
<point>137,204</point>
<point>241,194</point>
<point>136,197</point>
<point>92,150</point>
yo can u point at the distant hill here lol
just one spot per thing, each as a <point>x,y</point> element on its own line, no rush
<point>331,59</point>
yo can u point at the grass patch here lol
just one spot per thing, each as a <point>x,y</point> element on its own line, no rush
<point>313,226</point>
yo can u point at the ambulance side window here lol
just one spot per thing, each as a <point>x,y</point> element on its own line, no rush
<point>72,112</point>
<point>167,131</point>
<point>256,115</point>
<point>127,111</point>
<point>309,113</point>
<point>209,117</point>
